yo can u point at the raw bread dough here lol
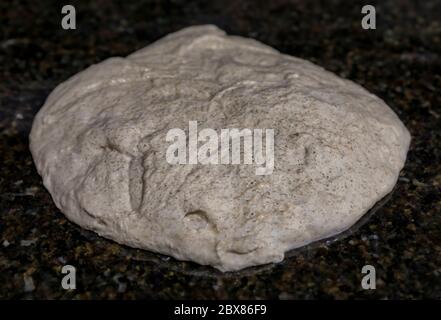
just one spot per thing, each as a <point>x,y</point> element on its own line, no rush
<point>99,144</point>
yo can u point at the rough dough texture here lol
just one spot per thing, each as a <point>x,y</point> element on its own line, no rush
<point>99,144</point>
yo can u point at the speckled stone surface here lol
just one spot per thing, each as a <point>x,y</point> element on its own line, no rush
<point>400,62</point>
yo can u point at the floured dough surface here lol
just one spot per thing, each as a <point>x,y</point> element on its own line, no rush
<point>99,143</point>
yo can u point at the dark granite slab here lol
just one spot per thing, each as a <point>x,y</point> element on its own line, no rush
<point>400,62</point>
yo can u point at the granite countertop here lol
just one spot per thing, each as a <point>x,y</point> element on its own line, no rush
<point>400,62</point>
